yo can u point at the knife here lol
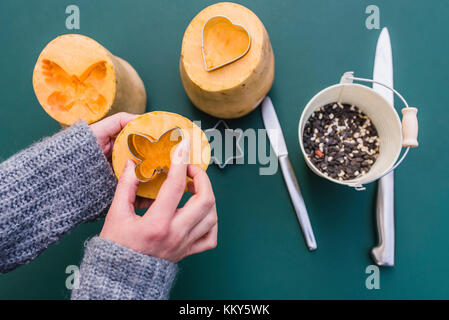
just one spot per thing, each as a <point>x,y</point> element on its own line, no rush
<point>277,142</point>
<point>383,253</point>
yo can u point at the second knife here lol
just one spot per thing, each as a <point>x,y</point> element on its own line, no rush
<point>277,142</point>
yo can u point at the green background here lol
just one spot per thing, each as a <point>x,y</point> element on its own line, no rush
<point>261,252</point>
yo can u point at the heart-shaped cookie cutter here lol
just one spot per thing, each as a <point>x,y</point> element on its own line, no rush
<point>213,20</point>
<point>140,157</point>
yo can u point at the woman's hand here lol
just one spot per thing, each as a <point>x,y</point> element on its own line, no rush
<point>106,130</point>
<point>165,231</point>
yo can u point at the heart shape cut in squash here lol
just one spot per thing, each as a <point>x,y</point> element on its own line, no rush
<point>154,156</point>
<point>223,42</point>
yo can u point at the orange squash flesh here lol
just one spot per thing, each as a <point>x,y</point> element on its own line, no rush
<point>153,125</point>
<point>223,42</point>
<point>152,153</point>
<point>75,78</point>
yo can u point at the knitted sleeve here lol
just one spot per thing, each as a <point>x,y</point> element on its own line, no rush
<point>111,271</point>
<point>48,189</point>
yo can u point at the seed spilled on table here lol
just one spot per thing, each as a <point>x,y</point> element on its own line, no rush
<point>341,141</point>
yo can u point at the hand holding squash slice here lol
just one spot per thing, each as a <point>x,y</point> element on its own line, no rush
<point>156,155</point>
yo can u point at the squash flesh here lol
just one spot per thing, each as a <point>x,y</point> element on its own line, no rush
<point>153,155</point>
<point>223,42</point>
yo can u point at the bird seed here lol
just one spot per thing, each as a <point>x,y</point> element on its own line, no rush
<point>341,141</point>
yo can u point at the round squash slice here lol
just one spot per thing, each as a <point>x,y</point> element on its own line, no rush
<point>227,63</point>
<point>143,140</point>
<point>75,78</point>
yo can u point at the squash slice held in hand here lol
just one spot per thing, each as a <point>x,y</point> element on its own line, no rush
<point>149,141</point>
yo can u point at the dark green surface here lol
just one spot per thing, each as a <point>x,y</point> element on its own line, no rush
<point>261,253</point>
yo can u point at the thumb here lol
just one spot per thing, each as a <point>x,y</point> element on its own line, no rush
<point>174,186</point>
<point>125,194</point>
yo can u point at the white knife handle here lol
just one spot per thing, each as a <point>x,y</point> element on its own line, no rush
<point>298,201</point>
<point>383,253</point>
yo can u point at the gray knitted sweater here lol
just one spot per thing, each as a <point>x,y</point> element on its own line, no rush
<point>51,187</point>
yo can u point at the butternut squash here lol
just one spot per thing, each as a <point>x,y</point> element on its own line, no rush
<point>76,78</point>
<point>153,125</point>
<point>236,88</point>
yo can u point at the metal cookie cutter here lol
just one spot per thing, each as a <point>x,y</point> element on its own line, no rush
<point>135,139</point>
<point>239,151</point>
<point>213,21</point>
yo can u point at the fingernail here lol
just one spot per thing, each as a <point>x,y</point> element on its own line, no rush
<point>129,163</point>
<point>182,154</point>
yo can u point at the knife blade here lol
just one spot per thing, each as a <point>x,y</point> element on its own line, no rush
<point>277,141</point>
<point>383,253</point>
